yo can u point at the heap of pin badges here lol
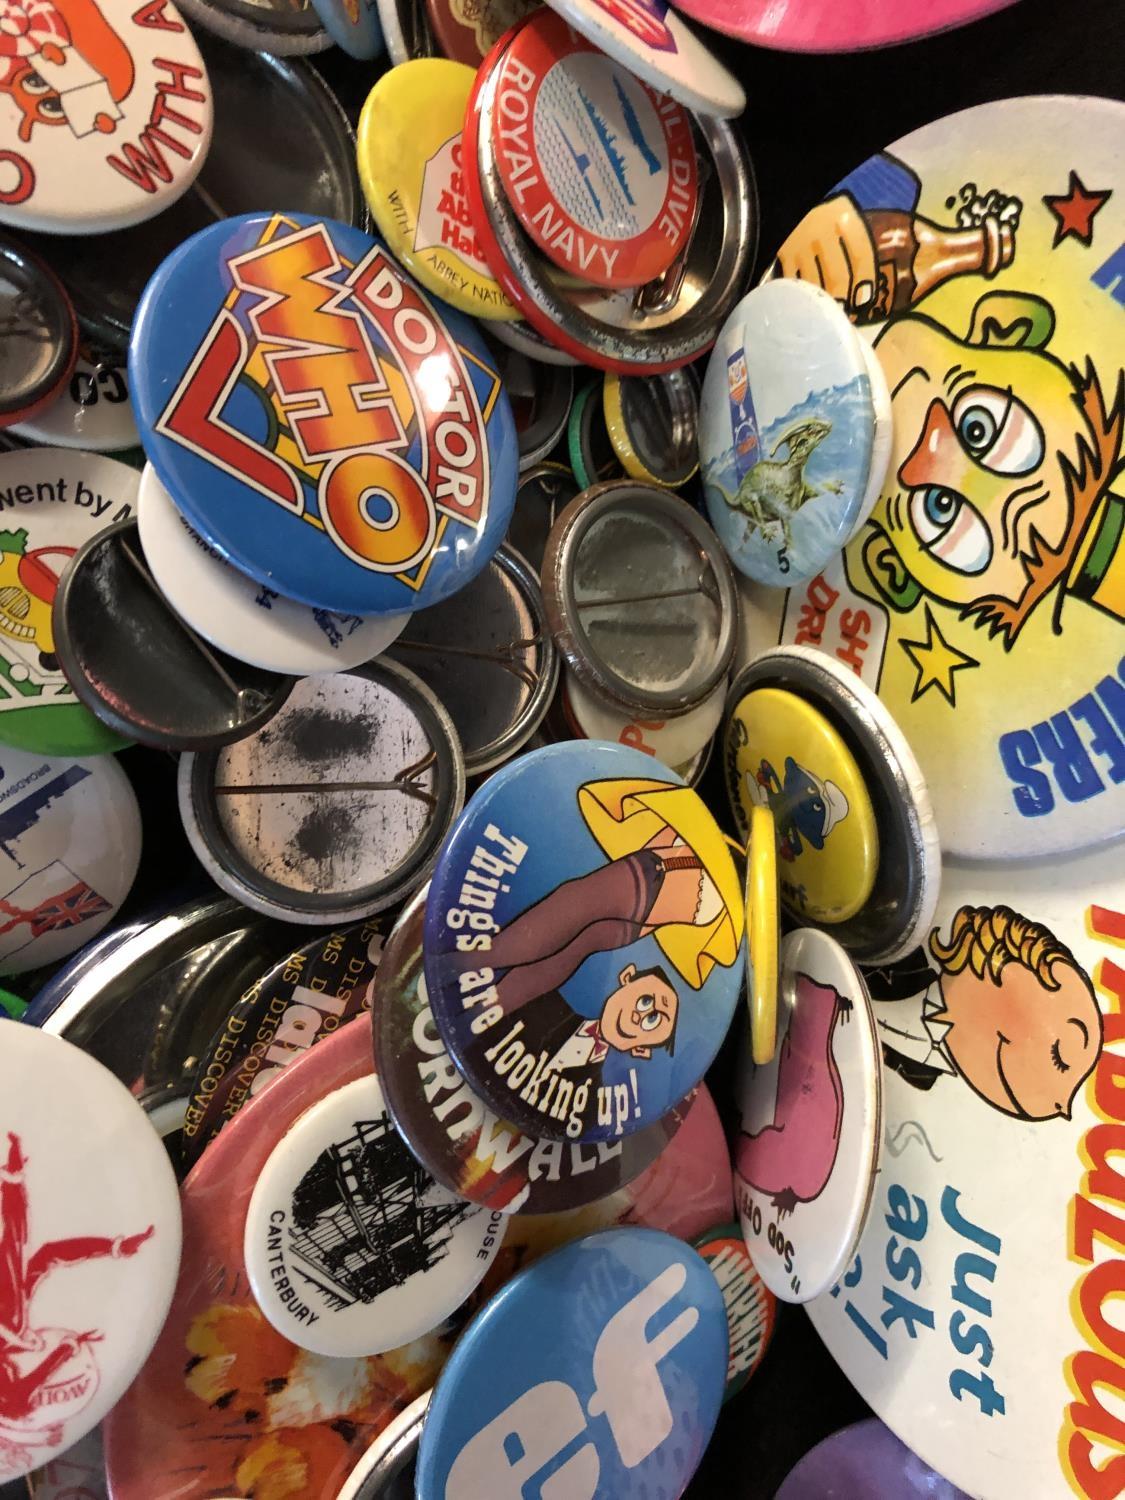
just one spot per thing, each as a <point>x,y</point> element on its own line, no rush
<point>562,769</point>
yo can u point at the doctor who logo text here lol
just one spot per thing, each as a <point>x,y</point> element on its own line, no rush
<point>369,427</point>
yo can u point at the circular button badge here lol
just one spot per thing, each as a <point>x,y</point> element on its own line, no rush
<point>751,1306</point>
<point>865,1459</point>
<point>640,598</point>
<point>653,424</point>
<point>92,411</point>
<point>303,999</point>
<point>350,1247</point>
<point>488,656</point>
<point>787,432</point>
<point>134,663</point>
<point>353,25</point>
<point>467,30</point>
<point>807,1156</point>
<point>357,455</point>
<point>337,807</point>
<point>600,170</point>
<point>506,1406</point>
<point>247,1390</point>
<point>461,1143</point>
<point>782,753</point>
<point>245,619</point>
<point>827,26</point>
<point>990,626</point>
<point>583,945</point>
<point>111,112</point>
<point>648,38</point>
<point>763,933</point>
<point>40,341</point>
<point>839,713</point>
<point>409,154</point>
<point>53,502</point>
<point>674,741</point>
<point>71,831</point>
<point>90,1232</point>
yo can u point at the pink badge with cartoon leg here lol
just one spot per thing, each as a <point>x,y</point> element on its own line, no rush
<point>808,1148</point>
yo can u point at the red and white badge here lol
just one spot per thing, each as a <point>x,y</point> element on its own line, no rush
<point>105,112</point>
<point>599,168</point>
<point>89,1245</point>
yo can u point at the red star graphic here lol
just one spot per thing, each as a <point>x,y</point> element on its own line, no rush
<point>1075,210</point>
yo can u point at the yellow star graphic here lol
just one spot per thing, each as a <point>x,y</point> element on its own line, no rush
<point>936,661</point>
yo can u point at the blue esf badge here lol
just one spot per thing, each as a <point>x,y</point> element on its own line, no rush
<point>583,941</point>
<point>616,1394</point>
<point>319,420</point>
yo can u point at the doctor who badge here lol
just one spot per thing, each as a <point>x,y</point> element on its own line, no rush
<point>751,1306</point>
<point>374,476</point>
<point>461,1143</point>
<point>583,941</point>
<point>90,1235</point>
<point>111,110</point>
<point>865,1459</point>
<point>70,834</point>
<point>640,598</point>
<point>841,728</point>
<point>648,38</point>
<point>351,1247</point>
<point>983,599</point>
<point>409,155</point>
<point>337,807</point>
<point>600,170</point>
<point>245,619</point>
<point>136,665</point>
<point>782,753</point>
<point>787,433</point>
<point>40,341</point>
<point>53,501</point>
<point>507,1404</point>
<point>304,998</point>
<point>222,1392</point>
<point>807,1153</point>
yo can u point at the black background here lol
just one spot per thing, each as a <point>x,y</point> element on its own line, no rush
<point>809,121</point>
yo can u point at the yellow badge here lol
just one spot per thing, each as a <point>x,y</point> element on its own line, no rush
<point>782,754</point>
<point>762,934</point>
<point>408,149</point>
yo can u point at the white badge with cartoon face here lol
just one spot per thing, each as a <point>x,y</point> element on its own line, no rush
<point>984,597</point>
<point>980,1313</point>
<point>807,1154</point>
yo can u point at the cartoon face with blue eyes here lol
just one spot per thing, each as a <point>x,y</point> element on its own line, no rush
<point>1001,453</point>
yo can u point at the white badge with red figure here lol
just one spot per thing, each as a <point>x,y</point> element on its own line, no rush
<point>89,1244</point>
<point>105,113</point>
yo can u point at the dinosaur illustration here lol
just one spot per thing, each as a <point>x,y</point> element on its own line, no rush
<point>775,489</point>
